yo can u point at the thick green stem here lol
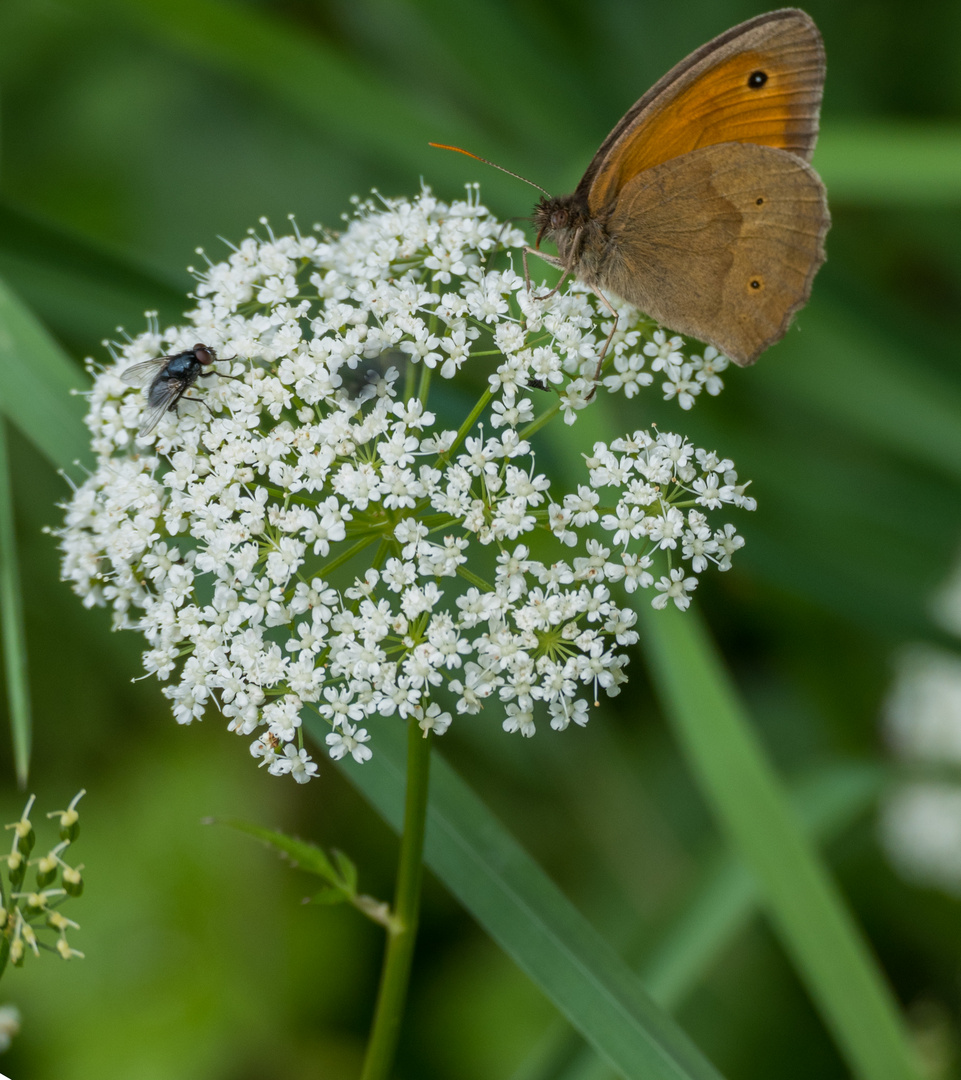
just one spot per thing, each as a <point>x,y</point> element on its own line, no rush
<point>399,955</point>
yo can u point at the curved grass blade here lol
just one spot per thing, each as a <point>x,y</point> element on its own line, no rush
<point>812,920</point>
<point>524,912</point>
<point>38,383</point>
<point>721,905</point>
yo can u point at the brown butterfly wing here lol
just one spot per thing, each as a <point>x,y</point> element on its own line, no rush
<point>721,244</point>
<point>761,82</point>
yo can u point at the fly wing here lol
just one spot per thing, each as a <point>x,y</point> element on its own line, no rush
<point>163,396</point>
<point>141,374</point>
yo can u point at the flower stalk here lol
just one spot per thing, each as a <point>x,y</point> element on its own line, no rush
<point>401,937</point>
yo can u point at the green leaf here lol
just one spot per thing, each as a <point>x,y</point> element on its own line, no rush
<point>346,869</point>
<point>38,383</point>
<point>12,633</point>
<point>342,881</point>
<point>304,855</point>
<point>808,913</point>
<point>330,895</point>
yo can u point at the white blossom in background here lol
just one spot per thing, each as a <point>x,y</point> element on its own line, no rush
<point>921,830</point>
<point>308,536</point>
<point>922,712</point>
<point>921,820</point>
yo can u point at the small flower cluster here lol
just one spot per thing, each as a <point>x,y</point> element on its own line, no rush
<point>686,374</point>
<point>314,537</point>
<point>24,911</point>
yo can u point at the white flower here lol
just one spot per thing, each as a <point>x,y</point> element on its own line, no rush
<point>349,740</point>
<point>922,712</point>
<point>677,588</point>
<point>433,719</point>
<point>322,538</point>
<point>666,353</point>
<point>296,763</point>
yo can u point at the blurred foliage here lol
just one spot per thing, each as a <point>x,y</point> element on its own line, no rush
<point>134,132</point>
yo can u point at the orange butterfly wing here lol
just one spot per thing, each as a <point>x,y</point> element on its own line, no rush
<point>761,82</point>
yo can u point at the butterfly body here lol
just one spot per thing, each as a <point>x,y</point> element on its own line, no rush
<point>700,207</point>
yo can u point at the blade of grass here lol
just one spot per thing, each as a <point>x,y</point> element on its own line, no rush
<point>719,908</point>
<point>77,286</point>
<point>849,370</point>
<point>38,382</point>
<point>313,77</point>
<point>723,902</point>
<point>12,633</point>
<point>525,913</point>
<point>889,162</point>
<point>809,915</point>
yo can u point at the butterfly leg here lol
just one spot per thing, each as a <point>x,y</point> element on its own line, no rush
<point>610,337</point>
<point>554,261</point>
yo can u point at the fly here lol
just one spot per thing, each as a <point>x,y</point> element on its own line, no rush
<point>169,378</point>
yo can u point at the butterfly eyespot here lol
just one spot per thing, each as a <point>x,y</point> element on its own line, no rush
<point>757,79</point>
<point>756,283</point>
<point>758,201</point>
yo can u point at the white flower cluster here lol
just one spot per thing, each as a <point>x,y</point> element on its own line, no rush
<point>309,536</point>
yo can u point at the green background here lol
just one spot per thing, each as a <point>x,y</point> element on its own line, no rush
<point>132,133</point>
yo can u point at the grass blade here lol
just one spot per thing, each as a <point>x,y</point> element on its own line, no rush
<point>810,917</point>
<point>524,912</point>
<point>38,382</point>
<point>718,907</point>
<point>12,633</point>
<point>890,162</point>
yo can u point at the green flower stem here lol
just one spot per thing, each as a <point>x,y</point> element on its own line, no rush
<point>400,941</point>
<point>544,418</point>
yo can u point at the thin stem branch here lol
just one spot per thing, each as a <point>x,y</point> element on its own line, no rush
<point>399,954</point>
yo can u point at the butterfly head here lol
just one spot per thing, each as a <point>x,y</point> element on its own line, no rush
<point>557,217</point>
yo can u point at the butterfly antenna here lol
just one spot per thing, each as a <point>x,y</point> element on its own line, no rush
<point>477,157</point>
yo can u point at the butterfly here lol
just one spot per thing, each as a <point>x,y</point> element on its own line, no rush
<point>701,208</point>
